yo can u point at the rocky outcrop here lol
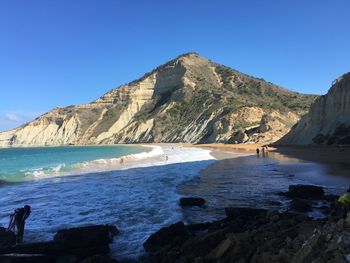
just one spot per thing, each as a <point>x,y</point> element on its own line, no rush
<point>7,238</point>
<point>256,235</point>
<point>69,245</point>
<point>192,201</point>
<point>189,99</point>
<point>259,235</point>
<point>328,121</point>
<point>305,191</point>
<point>251,235</point>
<point>166,238</point>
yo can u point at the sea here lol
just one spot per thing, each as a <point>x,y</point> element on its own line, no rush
<point>137,187</point>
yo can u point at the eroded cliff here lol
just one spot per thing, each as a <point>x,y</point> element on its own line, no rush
<point>328,121</point>
<point>189,99</point>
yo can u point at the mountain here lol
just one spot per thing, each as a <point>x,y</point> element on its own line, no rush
<point>328,121</point>
<point>189,99</point>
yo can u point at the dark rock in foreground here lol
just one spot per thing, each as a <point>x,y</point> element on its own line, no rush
<point>234,212</point>
<point>246,235</point>
<point>89,235</point>
<point>305,191</point>
<point>167,237</point>
<point>300,205</point>
<point>7,238</point>
<point>192,201</point>
<point>257,235</point>
<point>199,227</point>
<point>69,245</point>
<point>28,258</point>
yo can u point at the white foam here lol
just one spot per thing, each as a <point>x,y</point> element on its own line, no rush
<point>160,154</point>
<point>42,172</point>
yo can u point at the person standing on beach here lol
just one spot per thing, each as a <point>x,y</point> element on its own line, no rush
<point>266,151</point>
<point>257,151</point>
<point>17,219</point>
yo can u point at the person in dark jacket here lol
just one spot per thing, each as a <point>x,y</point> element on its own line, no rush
<point>17,219</point>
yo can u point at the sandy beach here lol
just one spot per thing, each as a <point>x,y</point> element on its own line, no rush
<point>336,158</point>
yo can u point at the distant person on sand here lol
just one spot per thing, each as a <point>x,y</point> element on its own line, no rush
<point>266,150</point>
<point>166,158</point>
<point>263,151</point>
<point>257,151</point>
<point>17,219</point>
<point>121,160</point>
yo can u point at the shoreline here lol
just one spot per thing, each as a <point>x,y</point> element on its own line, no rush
<point>152,154</point>
<point>330,156</point>
<point>254,233</point>
<point>226,157</point>
<point>138,200</point>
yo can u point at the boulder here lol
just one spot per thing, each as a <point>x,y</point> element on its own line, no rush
<point>305,191</point>
<point>300,205</point>
<point>192,201</point>
<point>27,258</point>
<point>89,235</point>
<point>199,226</point>
<point>167,237</point>
<point>234,212</point>
<point>202,245</point>
<point>73,244</point>
<point>7,238</point>
<point>330,198</point>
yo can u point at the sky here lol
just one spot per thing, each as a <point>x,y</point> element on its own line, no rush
<point>64,52</point>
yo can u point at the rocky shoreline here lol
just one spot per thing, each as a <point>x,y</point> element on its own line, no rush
<point>244,235</point>
<point>82,244</point>
<point>258,235</point>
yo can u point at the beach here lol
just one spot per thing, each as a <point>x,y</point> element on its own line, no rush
<point>320,154</point>
<point>141,195</point>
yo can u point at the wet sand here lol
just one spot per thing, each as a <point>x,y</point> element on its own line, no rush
<point>336,158</point>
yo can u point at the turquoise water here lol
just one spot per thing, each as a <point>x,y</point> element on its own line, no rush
<point>18,164</point>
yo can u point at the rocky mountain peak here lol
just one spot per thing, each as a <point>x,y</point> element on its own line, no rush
<point>188,99</point>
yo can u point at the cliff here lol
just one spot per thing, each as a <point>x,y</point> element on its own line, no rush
<point>328,121</point>
<point>189,99</point>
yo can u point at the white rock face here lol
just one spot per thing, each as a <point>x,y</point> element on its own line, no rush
<point>189,99</point>
<point>328,121</point>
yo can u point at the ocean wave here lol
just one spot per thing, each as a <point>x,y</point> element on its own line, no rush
<point>156,156</point>
<point>98,165</point>
<point>41,171</point>
<point>107,164</point>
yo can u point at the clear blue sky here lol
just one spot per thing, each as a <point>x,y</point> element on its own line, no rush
<point>58,53</point>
